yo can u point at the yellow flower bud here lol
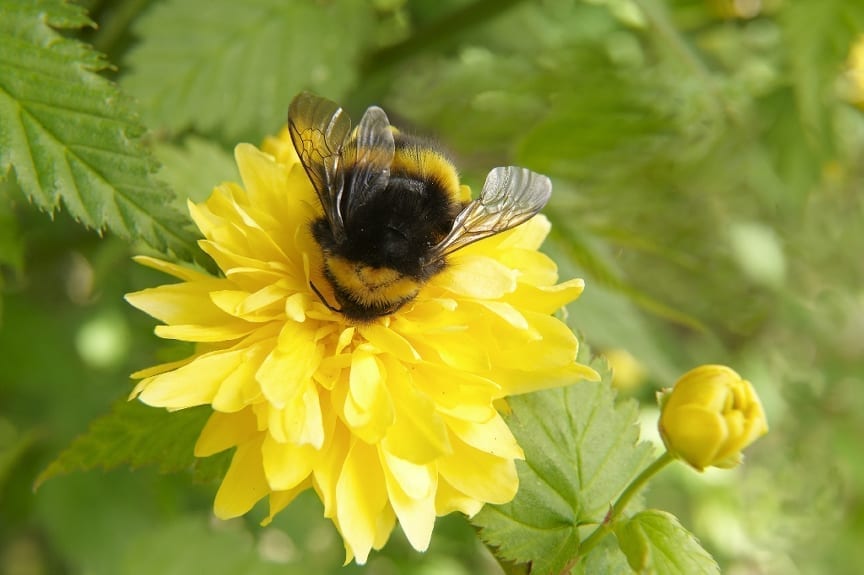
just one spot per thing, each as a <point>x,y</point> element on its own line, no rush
<point>710,416</point>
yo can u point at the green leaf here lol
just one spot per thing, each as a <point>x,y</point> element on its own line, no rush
<point>70,135</point>
<point>581,451</point>
<point>656,543</point>
<point>606,558</point>
<point>195,168</point>
<point>134,434</point>
<point>232,67</point>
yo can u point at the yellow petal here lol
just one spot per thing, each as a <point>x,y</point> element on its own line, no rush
<point>196,383</point>
<point>449,499</point>
<point>511,316</point>
<point>360,498</point>
<point>261,175</point>
<point>555,347</point>
<point>694,433</point>
<point>244,483</point>
<point>225,221</point>
<point>411,490</point>
<point>462,350</point>
<point>263,305</point>
<point>479,475</point>
<point>225,430</point>
<point>249,273</point>
<point>288,367</point>
<point>414,480</point>
<point>389,341</point>
<point>240,388</point>
<point>228,331</point>
<point>183,303</point>
<point>418,433</point>
<point>286,465</point>
<point>329,467</point>
<point>458,394</point>
<point>476,276</point>
<point>345,338</point>
<point>736,438</point>
<point>160,368</point>
<point>279,500</point>
<point>493,436</point>
<point>300,421</point>
<point>707,385</point>
<point>296,306</point>
<point>535,268</point>
<point>367,407</point>
<point>545,299</point>
<point>530,235</point>
<point>384,527</point>
<point>178,271</point>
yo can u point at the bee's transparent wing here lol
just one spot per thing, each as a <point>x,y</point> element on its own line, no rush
<point>369,154</point>
<point>319,129</point>
<point>510,196</point>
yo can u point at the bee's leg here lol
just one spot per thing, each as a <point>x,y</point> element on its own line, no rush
<point>324,301</point>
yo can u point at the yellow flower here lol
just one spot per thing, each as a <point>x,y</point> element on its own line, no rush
<point>710,416</point>
<point>393,419</point>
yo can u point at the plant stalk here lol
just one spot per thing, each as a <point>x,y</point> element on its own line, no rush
<point>623,500</point>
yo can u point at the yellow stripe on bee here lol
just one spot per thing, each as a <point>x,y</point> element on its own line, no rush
<point>370,285</point>
<point>425,164</point>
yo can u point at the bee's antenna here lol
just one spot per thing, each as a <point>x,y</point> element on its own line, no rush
<point>324,301</point>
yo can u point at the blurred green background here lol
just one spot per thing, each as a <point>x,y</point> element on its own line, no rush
<point>707,162</point>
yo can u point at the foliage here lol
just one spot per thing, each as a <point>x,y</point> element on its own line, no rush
<point>233,73</point>
<point>655,542</point>
<point>576,465</point>
<point>69,134</point>
<point>126,437</point>
<point>706,163</point>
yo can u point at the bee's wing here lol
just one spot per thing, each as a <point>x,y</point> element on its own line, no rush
<point>509,197</point>
<point>369,153</point>
<point>319,129</point>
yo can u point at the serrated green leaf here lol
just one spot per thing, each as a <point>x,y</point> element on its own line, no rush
<point>231,67</point>
<point>134,435</point>
<point>581,451</point>
<point>655,543</point>
<point>70,135</point>
<point>607,558</point>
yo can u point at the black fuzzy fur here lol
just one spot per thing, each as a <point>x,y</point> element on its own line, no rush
<point>394,228</point>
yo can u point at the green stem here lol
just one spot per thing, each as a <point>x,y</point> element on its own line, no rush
<point>609,521</point>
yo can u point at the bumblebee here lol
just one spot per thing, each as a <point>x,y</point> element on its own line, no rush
<point>392,205</point>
